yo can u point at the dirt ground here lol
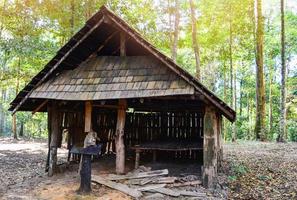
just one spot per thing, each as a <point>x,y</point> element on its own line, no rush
<point>251,170</point>
<point>261,170</point>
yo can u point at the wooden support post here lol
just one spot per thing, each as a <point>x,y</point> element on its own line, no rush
<point>210,147</point>
<point>119,140</point>
<point>137,158</point>
<point>88,116</point>
<point>49,132</point>
<point>219,140</point>
<point>54,134</point>
<point>122,44</point>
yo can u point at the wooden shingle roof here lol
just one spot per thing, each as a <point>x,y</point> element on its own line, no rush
<point>114,77</point>
<point>100,35</point>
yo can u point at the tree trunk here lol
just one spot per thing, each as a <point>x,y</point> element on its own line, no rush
<point>194,39</point>
<point>224,127</point>
<point>176,31</point>
<point>260,84</point>
<point>233,134</point>
<point>240,97</point>
<point>21,134</point>
<point>248,115</point>
<point>14,118</point>
<point>282,132</point>
<point>2,113</point>
<point>72,17</point>
<point>234,128</point>
<point>88,9</point>
<point>270,101</point>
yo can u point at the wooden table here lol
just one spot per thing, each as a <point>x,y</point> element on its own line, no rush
<point>165,146</point>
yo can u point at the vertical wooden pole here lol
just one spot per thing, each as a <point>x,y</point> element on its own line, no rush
<point>119,140</point>
<point>88,116</point>
<point>137,158</point>
<point>122,44</point>
<point>49,130</point>
<point>54,128</point>
<point>210,147</point>
<point>219,140</point>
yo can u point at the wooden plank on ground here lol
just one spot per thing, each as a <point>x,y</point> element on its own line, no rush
<point>164,180</point>
<point>192,194</point>
<point>166,191</point>
<point>155,180</point>
<point>151,187</point>
<point>146,181</point>
<point>117,186</point>
<point>197,182</point>
<point>113,177</point>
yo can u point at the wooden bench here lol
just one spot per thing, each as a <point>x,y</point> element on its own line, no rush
<point>155,146</point>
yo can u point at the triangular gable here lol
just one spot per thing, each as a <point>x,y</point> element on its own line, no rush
<point>72,55</point>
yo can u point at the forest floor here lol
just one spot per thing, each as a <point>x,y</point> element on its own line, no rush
<point>251,170</point>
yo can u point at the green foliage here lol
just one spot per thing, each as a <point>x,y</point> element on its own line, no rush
<point>237,170</point>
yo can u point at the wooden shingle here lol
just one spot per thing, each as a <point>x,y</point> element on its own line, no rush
<point>110,77</point>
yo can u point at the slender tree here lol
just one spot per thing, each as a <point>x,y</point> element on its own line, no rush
<point>232,99</point>
<point>176,31</point>
<point>282,132</point>
<point>195,43</point>
<point>270,100</point>
<point>72,8</point>
<point>14,117</point>
<point>260,84</point>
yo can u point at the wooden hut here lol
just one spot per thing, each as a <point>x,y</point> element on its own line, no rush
<point>110,79</point>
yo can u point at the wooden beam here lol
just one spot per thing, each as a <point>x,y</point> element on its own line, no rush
<point>58,63</point>
<point>122,44</point>
<point>106,106</point>
<point>39,107</point>
<point>88,116</point>
<point>106,41</point>
<point>119,48</point>
<point>119,140</point>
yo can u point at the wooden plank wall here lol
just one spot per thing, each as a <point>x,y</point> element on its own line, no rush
<point>142,127</point>
<point>73,122</point>
<point>165,126</point>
